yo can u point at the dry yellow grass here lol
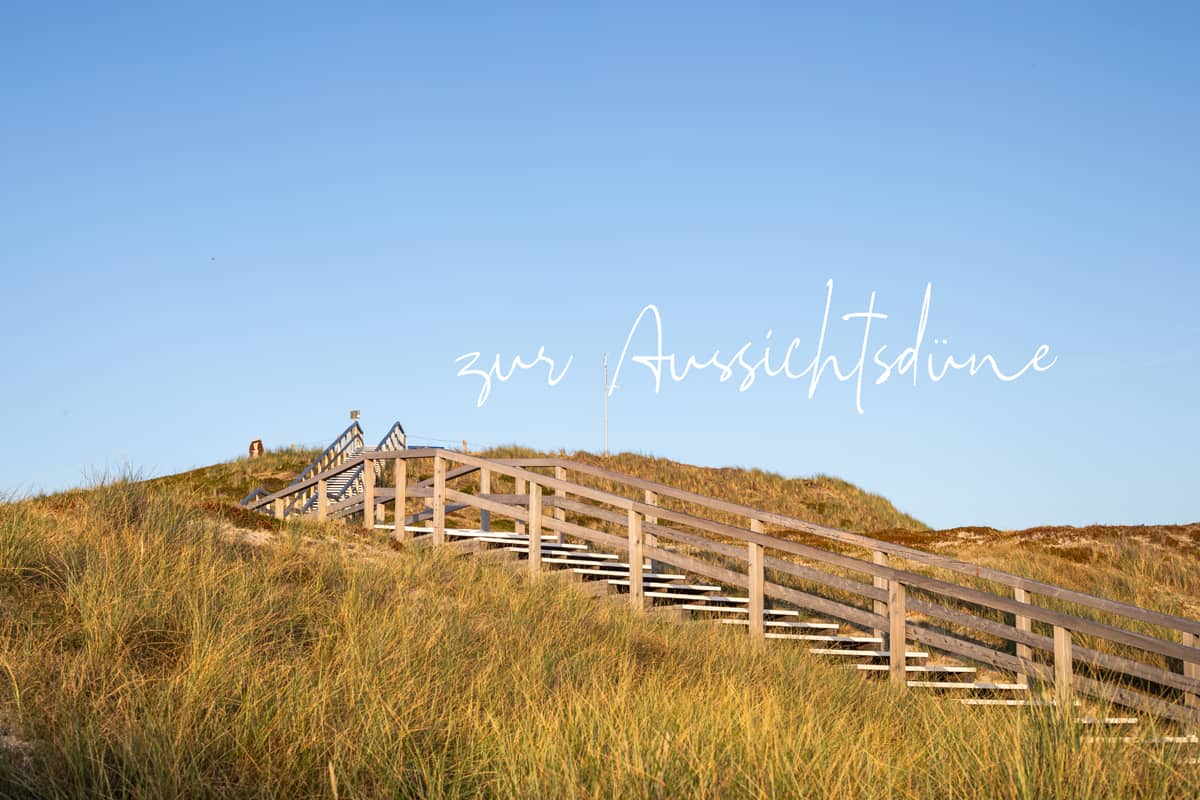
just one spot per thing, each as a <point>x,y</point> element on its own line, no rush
<point>146,650</point>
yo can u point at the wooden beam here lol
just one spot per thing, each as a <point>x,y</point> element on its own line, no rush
<point>910,553</point>
<point>518,526</point>
<point>485,487</point>
<point>535,528</point>
<point>1191,669</point>
<point>1063,670</point>
<point>278,506</point>
<point>560,473</point>
<point>401,481</point>
<point>879,606</point>
<point>368,476</point>
<point>439,500</point>
<point>1025,624</point>
<point>637,597</point>
<point>896,640</point>
<point>651,519</point>
<point>322,499</point>
<point>757,578</point>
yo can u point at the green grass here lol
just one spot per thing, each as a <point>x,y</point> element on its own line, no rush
<point>146,652</point>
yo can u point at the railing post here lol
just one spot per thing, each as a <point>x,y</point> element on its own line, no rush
<point>535,527</point>
<point>401,481</point>
<point>757,576</point>
<point>518,526</point>
<point>651,519</point>
<point>880,606</point>
<point>1025,624</point>
<point>485,487</point>
<point>560,473</point>
<point>277,505</point>
<point>637,595</point>
<point>1063,671</point>
<point>1191,669</point>
<point>322,499</point>
<point>368,474</point>
<point>439,500</point>
<point>897,647</point>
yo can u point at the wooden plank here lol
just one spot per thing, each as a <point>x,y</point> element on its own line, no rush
<point>400,479</point>
<point>650,522</point>
<point>1191,670</point>
<point>278,505</point>
<point>756,575</point>
<point>368,494</point>
<point>439,500</point>
<point>535,528</point>
<point>485,487</point>
<point>1131,699</point>
<point>912,554</point>
<point>1025,624</point>
<point>578,490</point>
<point>896,644</point>
<point>879,606</point>
<point>560,473</point>
<point>349,464</point>
<point>1063,666</point>
<point>505,510</point>
<point>518,525</point>
<point>637,597</point>
<point>322,499</point>
<point>953,590</point>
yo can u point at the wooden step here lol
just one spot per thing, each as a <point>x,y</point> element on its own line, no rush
<point>1192,739</point>
<point>662,576</point>
<point>767,612</point>
<point>693,586</point>
<point>831,651</point>
<point>994,687</point>
<point>924,668</point>
<point>820,626</point>
<point>1109,721</point>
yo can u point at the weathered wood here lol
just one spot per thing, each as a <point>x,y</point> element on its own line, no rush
<point>485,487</point>
<point>912,554</point>
<point>535,528</point>
<point>1017,604</point>
<point>896,639</point>
<point>368,498</point>
<point>1191,669</point>
<point>879,606</point>
<point>1063,667</point>
<point>756,578</point>
<point>647,530</point>
<point>439,500</point>
<point>278,507</point>
<point>560,473</point>
<point>1023,623</point>
<point>322,499</point>
<point>1137,700</point>
<point>300,487</point>
<point>518,525</point>
<point>637,597</point>
<point>400,479</point>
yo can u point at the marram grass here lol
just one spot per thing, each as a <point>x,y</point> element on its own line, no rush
<point>145,655</point>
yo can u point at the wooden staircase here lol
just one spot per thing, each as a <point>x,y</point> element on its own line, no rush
<point>924,622</point>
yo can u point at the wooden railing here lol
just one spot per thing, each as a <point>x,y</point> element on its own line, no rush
<point>1087,645</point>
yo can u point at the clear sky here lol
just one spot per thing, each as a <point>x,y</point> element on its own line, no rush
<point>221,224</point>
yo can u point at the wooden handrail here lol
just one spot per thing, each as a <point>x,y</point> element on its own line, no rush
<point>646,520</point>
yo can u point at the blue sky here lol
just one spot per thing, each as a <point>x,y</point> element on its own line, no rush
<point>226,223</point>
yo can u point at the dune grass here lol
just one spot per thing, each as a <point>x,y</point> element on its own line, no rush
<point>150,649</point>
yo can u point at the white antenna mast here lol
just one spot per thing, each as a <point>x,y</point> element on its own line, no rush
<point>607,389</point>
<point>606,404</point>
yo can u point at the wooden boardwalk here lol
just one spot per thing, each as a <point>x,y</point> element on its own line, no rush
<point>927,622</point>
